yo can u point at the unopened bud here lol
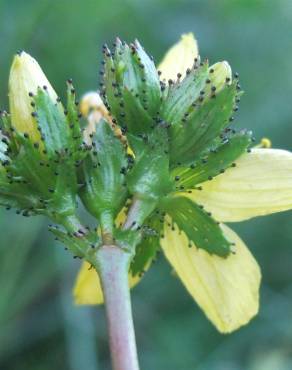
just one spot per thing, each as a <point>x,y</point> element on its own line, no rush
<point>25,77</point>
<point>220,75</point>
<point>92,108</point>
<point>91,101</point>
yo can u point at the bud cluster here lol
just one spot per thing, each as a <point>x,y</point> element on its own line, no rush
<point>154,139</point>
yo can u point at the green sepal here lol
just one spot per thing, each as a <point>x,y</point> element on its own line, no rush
<point>149,176</point>
<point>104,191</point>
<point>5,120</point>
<point>52,124</point>
<point>214,163</point>
<point>183,94</point>
<point>131,86</point>
<point>14,194</point>
<point>7,131</point>
<point>76,143</point>
<point>147,249</point>
<point>64,197</point>
<point>80,245</point>
<point>127,239</point>
<point>30,165</point>
<point>3,150</point>
<point>136,118</point>
<point>197,224</point>
<point>204,124</point>
<point>50,184</point>
<point>150,78</point>
<point>14,189</point>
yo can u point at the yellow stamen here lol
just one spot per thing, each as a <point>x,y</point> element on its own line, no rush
<point>264,143</point>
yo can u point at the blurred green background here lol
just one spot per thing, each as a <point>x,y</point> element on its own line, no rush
<point>40,328</point>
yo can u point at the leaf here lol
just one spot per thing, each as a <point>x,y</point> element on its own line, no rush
<point>214,163</point>
<point>198,225</point>
<point>147,249</point>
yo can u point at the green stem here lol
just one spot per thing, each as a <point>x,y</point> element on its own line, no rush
<point>113,266</point>
<point>140,209</point>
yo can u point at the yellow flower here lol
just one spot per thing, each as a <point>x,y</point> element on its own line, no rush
<point>25,77</point>
<point>226,289</point>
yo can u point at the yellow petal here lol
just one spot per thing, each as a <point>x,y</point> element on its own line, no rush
<point>260,184</point>
<point>92,108</point>
<point>220,75</point>
<point>25,77</point>
<point>87,288</point>
<point>179,58</point>
<point>227,290</point>
<point>92,101</point>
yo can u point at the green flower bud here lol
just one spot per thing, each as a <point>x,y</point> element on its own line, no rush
<point>45,143</point>
<point>145,142</point>
<point>131,86</point>
<point>26,76</point>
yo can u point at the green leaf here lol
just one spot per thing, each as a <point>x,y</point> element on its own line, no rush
<point>204,124</point>
<point>214,163</point>
<point>198,225</point>
<point>147,249</point>
<point>104,171</point>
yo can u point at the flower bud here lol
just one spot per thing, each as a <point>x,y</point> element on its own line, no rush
<point>25,77</point>
<point>131,87</point>
<point>92,108</point>
<point>220,74</point>
<point>91,101</point>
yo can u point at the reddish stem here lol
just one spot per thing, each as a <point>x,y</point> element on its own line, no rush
<point>113,265</point>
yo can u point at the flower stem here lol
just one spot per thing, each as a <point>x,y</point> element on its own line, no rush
<point>140,209</point>
<point>113,265</point>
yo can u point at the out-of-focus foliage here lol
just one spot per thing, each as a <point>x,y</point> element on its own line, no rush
<point>40,329</point>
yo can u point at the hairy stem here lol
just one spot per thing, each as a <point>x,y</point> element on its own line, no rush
<point>113,265</point>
